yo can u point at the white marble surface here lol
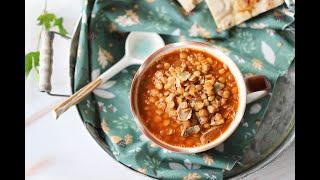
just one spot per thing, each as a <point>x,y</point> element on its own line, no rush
<point>63,149</point>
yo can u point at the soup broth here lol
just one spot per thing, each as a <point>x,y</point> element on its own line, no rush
<point>188,98</point>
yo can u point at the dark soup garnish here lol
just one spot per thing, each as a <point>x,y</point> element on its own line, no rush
<point>188,98</point>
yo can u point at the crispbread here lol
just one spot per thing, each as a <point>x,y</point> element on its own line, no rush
<point>189,5</point>
<point>228,13</point>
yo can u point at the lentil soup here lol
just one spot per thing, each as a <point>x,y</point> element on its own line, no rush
<point>188,98</point>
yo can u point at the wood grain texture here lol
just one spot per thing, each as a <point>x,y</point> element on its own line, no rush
<point>75,98</point>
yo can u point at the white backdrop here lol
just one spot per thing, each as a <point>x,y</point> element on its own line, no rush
<point>63,149</point>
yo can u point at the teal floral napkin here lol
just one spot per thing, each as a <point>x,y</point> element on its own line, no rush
<point>258,46</point>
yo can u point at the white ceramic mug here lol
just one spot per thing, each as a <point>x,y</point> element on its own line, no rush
<point>250,89</point>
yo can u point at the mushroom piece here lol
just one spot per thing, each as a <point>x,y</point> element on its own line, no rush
<point>183,105</point>
<point>183,76</point>
<point>178,84</point>
<point>218,86</point>
<point>205,137</point>
<point>170,97</point>
<point>217,120</point>
<point>170,105</point>
<point>203,120</point>
<point>185,132</point>
<point>184,114</point>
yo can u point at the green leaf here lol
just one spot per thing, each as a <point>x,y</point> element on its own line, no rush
<point>31,60</point>
<point>46,19</point>
<point>58,23</point>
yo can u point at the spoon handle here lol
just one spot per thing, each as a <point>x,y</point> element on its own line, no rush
<point>115,69</point>
<point>84,91</point>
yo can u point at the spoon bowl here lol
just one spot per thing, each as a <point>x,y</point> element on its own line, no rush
<point>139,45</point>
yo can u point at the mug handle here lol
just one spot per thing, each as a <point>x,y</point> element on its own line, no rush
<point>257,87</point>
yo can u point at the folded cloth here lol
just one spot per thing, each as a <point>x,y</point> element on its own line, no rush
<point>258,46</point>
